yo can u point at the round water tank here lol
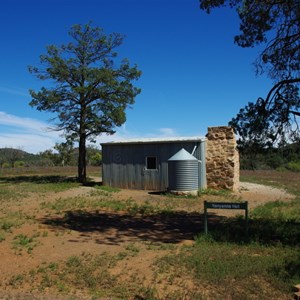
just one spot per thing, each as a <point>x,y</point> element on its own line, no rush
<point>183,173</point>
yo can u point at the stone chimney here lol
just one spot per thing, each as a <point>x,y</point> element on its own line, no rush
<point>222,159</point>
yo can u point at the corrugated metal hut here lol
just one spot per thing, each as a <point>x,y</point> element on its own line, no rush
<point>143,164</point>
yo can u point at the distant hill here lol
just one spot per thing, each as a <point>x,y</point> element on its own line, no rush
<point>13,151</point>
<point>9,151</point>
<point>9,156</point>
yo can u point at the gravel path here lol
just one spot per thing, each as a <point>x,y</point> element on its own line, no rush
<point>258,194</point>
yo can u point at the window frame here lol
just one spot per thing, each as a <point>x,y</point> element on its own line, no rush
<point>150,164</point>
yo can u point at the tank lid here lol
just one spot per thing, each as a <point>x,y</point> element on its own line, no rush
<point>182,155</point>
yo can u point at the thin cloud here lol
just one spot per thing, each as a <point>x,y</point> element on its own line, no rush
<point>28,134</point>
<point>26,125</point>
<point>31,143</point>
<point>19,122</point>
<point>167,132</point>
<point>14,91</point>
<point>123,134</point>
<point>34,136</point>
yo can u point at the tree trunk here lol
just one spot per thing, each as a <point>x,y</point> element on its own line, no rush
<point>82,159</point>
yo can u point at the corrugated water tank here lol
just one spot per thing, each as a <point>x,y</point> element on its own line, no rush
<point>183,173</point>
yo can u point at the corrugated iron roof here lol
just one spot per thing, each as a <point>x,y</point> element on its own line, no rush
<point>157,140</point>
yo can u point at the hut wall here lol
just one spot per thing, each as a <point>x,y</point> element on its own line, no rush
<point>124,165</point>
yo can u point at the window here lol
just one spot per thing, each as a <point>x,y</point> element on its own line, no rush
<point>151,163</point>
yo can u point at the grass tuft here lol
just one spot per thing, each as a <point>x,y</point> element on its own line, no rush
<point>222,263</point>
<point>22,241</point>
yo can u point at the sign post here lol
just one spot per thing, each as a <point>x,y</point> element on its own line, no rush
<point>226,205</point>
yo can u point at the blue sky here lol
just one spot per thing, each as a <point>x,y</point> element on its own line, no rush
<point>193,74</point>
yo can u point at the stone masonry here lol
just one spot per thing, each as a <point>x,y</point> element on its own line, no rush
<point>222,159</point>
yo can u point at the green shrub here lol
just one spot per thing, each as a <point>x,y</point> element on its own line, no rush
<point>19,164</point>
<point>274,161</point>
<point>281,169</point>
<point>294,166</point>
<point>96,159</point>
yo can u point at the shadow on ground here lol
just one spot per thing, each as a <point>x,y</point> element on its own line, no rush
<point>38,179</point>
<point>46,179</point>
<point>114,228</point>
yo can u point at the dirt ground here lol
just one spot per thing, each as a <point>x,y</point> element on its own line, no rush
<point>258,194</point>
<point>106,231</point>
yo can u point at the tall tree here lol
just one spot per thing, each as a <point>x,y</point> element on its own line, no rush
<point>90,89</point>
<point>276,24</point>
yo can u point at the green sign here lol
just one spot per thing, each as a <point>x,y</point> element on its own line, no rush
<point>225,205</point>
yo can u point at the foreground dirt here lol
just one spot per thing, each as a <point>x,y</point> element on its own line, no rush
<point>142,238</point>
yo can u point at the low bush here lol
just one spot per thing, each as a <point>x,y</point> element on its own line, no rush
<point>19,164</point>
<point>293,166</point>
